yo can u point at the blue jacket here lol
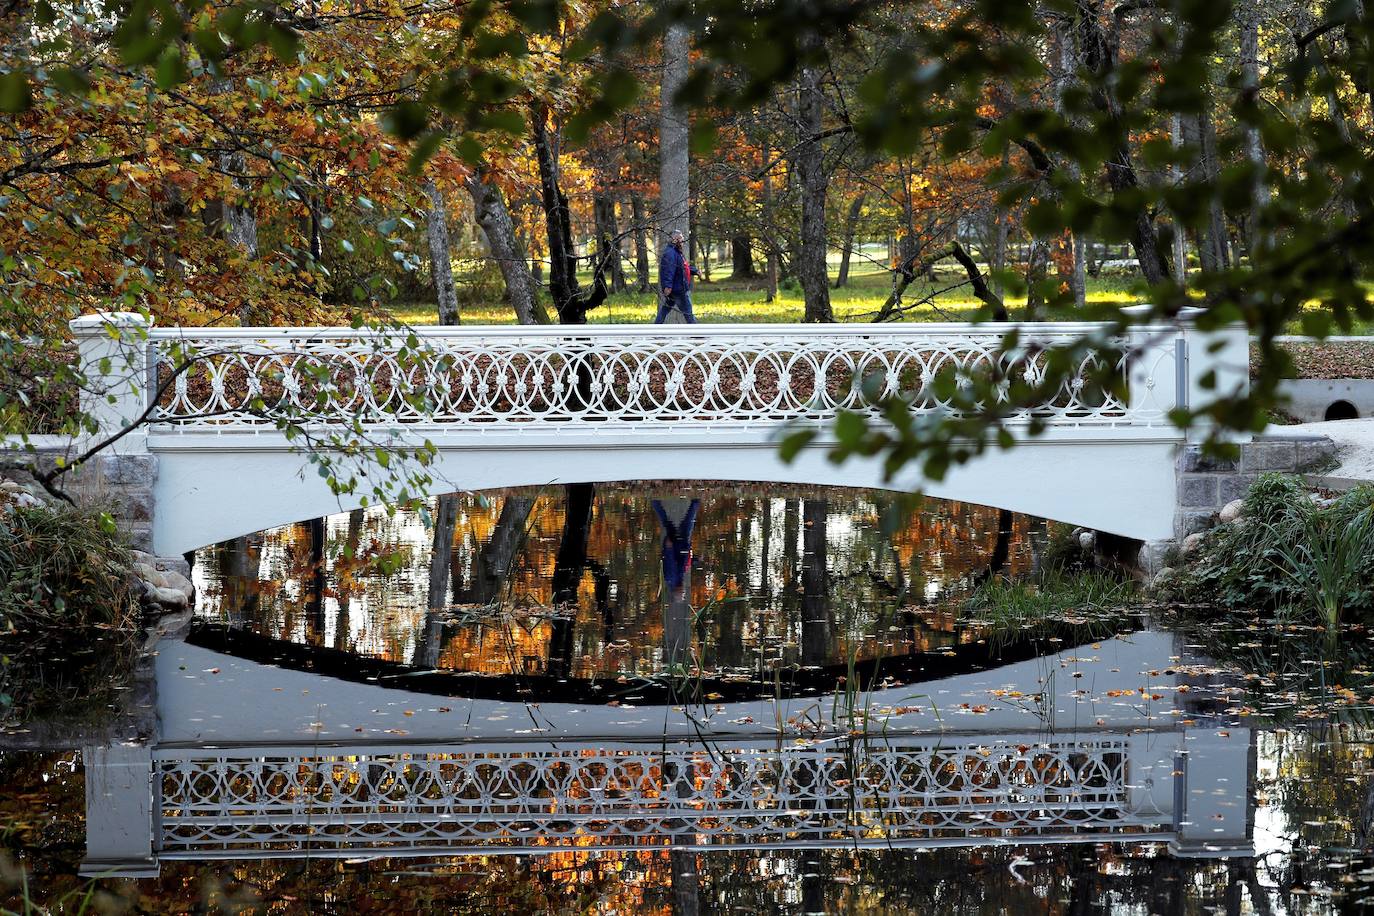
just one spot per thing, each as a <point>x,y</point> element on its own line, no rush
<point>671,272</point>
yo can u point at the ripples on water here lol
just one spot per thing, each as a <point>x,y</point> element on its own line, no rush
<point>704,699</point>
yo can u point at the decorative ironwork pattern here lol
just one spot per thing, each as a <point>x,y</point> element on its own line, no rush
<point>733,375</point>
<point>628,795</point>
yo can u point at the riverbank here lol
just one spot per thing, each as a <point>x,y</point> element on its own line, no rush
<point>1354,456</point>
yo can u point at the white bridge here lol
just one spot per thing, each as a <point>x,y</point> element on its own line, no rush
<point>522,406</point>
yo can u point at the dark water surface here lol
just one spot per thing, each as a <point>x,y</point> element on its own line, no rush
<point>709,699</point>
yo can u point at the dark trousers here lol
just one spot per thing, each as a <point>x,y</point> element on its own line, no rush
<point>681,301</point>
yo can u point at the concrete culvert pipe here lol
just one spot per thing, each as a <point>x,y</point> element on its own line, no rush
<point>1341,410</point>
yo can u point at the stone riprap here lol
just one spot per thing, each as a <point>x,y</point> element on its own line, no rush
<point>1207,483</point>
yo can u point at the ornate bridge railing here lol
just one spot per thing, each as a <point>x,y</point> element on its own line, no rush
<point>736,376</point>
<point>234,802</point>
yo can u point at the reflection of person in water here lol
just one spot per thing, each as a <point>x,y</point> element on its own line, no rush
<point>677,540</point>
<point>678,517</point>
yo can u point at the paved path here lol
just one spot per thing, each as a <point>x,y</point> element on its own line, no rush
<point>1353,438</point>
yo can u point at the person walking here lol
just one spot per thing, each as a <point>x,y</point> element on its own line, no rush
<point>674,281</point>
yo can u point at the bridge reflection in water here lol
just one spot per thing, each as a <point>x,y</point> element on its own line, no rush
<point>1091,744</point>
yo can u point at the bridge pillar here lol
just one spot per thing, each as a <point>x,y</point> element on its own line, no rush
<point>113,358</point>
<point>113,353</point>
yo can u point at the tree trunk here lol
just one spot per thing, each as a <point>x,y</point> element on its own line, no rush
<point>607,232</point>
<point>1180,240</point>
<point>240,224</point>
<point>674,192</point>
<point>569,300</point>
<point>1068,69</point>
<point>907,247</point>
<point>1037,261</point>
<point>851,228</point>
<point>569,565</point>
<point>816,626</point>
<point>769,243</point>
<point>343,632</point>
<point>430,640</point>
<point>495,220</point>
<point>440,263</point>
<point>1098,46</point>
<point>1216,217</point>
<point>315,589</point>
<point>704,258</point>
<point>811,267</point>
<point>1210,237</point>
<point>495,558</point>
<point>741,258</point>
<point>641,242</point>
<point>1254,149</point>
<point>999,248</point>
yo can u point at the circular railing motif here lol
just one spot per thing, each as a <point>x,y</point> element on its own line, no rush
<point>457,379</point>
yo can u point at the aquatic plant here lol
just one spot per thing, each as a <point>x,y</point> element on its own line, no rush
<point>1329,560</point>
<point>1056,596</point>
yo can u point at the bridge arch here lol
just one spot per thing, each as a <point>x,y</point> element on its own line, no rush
<point>210,493</point>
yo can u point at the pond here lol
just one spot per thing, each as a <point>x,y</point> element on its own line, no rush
<point>698,698</point>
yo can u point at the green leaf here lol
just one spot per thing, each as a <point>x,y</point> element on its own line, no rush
<point>171,68</point>
<point>850,428</point>
<point>15,94</point>
<point>793,443</point>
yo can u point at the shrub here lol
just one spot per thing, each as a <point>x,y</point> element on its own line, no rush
<point>1287,553</point>
<point>68,612</point>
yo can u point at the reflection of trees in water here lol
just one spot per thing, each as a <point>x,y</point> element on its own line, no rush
<point>568,569</point>
<point>817,627</point>
<point>759,562</point>
<point>315,582</point>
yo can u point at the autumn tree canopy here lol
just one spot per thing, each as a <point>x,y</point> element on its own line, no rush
<point>278,163</point>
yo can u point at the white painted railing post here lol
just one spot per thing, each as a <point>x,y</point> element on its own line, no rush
<point>119,811</point>
<point>1224,355</point>
<point>113,359</point>
<point>1152,372</point>
<point>1213,799</point>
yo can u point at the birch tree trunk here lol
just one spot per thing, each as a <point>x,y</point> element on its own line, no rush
<point>440,263</point>
<point>811,267</point>
<point>494,218</point>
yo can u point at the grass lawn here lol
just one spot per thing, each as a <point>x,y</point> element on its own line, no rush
<point>730,301</point>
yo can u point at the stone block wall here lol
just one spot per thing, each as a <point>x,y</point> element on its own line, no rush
<point>1207,483</point>
<point>121,484</point>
